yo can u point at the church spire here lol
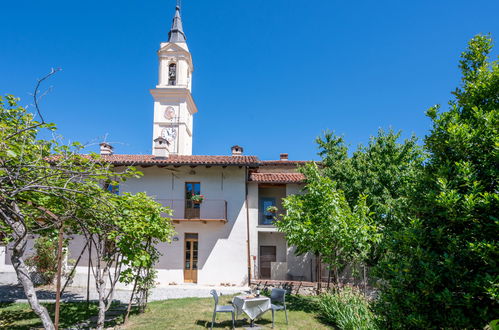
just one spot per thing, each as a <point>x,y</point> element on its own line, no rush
<point>176,33</point>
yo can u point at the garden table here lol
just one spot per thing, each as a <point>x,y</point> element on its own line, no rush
<point>251,305</point>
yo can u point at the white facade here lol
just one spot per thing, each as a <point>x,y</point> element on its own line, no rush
<point>222,245</point>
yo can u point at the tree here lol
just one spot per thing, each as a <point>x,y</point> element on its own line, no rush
<point>47,187</point>
<point>321,221</point>
<point>442,271</point>
<point>384,172</point>
<point>27,181</point>
<point>124,233</point>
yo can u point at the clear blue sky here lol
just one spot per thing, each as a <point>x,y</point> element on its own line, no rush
<point>269,75</point>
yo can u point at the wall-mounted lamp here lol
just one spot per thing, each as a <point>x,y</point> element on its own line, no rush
<point>175,238</point>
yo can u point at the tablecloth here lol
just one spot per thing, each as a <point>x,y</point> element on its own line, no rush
<point>253,307</point>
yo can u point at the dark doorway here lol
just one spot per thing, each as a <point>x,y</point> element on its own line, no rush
<point>267,255</point>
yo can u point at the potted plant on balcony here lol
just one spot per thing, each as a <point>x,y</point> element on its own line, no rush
<point>272,210</point>
<point>197,199</point>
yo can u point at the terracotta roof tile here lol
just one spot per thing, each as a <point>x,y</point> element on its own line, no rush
<point>277,177</point>
<point>146,160</point>
<point>284,162</point>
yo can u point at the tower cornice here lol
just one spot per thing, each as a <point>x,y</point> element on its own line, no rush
<point>168,93</point>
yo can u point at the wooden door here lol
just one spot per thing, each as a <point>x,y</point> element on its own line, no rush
<point>267,255</point>
<point>191,258</point>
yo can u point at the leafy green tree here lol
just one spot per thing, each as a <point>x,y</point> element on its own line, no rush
<point>46,187</point>
<point>384,172</point>
<point>321,221</point>
<point>442,271</point>
<point>124,232</point>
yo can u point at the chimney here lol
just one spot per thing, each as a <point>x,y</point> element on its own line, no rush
<point>237,150</point>
<point>283,156</point>
<point>106,149</point>
<point>161,147</point>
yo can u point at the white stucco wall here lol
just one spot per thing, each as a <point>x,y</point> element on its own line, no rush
<point>253,217</point>
<point>274,239</point>
<point>222,247</point>
<point>300,267</point>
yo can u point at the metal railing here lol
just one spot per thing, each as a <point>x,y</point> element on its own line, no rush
<point>185,209</point>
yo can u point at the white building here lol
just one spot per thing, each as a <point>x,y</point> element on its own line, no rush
<point>229,237</point>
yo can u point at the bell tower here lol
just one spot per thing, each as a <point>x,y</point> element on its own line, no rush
<point>174,106</point>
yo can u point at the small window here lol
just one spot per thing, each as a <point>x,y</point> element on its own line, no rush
<point>267,218</point>
<point>113,189</point>
<point>172,74</point>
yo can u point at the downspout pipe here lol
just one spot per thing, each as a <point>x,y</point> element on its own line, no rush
<point>247,227</point>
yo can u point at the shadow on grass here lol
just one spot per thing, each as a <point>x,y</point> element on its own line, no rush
<point>302,303</point>
<point>228,323</point>
<point>11,293</point>
<point>307,304</point>
<point>20,316</point>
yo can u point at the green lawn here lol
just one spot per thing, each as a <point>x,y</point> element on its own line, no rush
<point>20,316</point>
<point>196,313</point>
<point>187,313</point>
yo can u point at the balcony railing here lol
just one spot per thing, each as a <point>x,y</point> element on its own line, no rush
<point>187,210</point>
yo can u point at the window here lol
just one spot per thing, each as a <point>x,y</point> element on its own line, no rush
<point>192,188</point>
<point>112,188</point>
<point>267,218</point>
<point>172,74</point>
<point>192,209</point>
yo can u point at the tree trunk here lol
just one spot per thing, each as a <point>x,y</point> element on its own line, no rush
<point>101,289</point>
<point>365,281</point>
<point>129,308</point>
<point>328,276</point>
<point>337,277</point>
<point>23,273</point>
<point>58,277</point>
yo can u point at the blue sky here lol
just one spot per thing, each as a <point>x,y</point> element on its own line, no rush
<point>269,75</point>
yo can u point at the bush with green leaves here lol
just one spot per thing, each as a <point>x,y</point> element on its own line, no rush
<point>442,271</point>
<point>347,309</point>
<point>44,259</point>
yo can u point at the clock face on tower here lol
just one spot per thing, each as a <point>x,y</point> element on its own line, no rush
<point>170,113</point>
<point>169,134</point>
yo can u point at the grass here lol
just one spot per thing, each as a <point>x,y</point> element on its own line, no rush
<point>20,316</point>
<point>187,313</point>
<point>196,313</point>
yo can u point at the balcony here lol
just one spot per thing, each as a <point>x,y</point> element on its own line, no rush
<point>184,210</point>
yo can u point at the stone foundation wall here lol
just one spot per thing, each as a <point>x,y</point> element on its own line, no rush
<point>292,287</point>
<point>304,288</point>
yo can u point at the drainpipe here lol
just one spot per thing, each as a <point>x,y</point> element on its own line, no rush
<point>248,228</point>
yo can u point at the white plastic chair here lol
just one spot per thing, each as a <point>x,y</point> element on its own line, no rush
<point>221,309</point>
<point>279,296</point>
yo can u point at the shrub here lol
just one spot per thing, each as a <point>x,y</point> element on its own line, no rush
<point>44,261</point>
<point>442,271</point>
<point>347,309</point>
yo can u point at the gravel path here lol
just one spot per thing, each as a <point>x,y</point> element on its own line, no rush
<point>15,293</point>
